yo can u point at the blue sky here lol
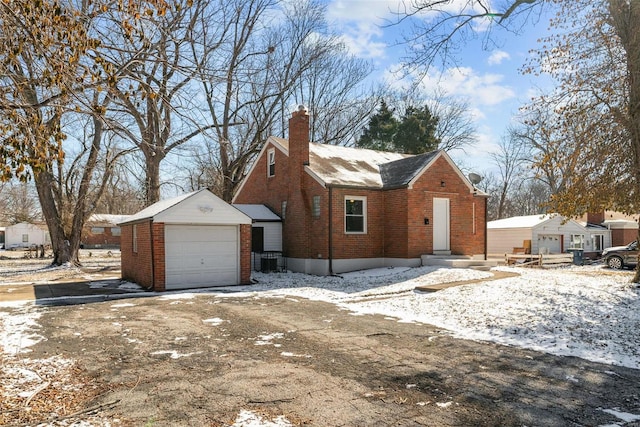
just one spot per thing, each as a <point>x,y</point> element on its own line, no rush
<point>489,80</point>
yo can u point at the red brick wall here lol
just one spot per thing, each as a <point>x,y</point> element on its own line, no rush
<point>395,219</point>
<point>595,217</point>
<point>137,266</point>
<point>396,227</point>
<point>369,245</point>
<point>245,254</point>
<point>623,236</point>
<point>269,191</point>
<point>159,257</point>
<point>464,239</point>
<point>106,239</point>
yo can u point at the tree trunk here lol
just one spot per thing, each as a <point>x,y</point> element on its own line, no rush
<point>65,249</point>
<point>625,19</point>
<point>152,183</point>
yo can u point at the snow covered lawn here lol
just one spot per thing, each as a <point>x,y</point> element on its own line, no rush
<point>588,312</point>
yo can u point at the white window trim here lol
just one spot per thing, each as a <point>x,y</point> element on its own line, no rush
<point>571,243</point>
<point>364,214</point>
<point>271,161</point>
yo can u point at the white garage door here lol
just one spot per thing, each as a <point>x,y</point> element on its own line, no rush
<point>549,243</point>
<point>198,256</point>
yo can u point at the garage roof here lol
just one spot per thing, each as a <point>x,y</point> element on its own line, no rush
<point>258,212</point>
<point>198,207</point>
<point>527,221</point>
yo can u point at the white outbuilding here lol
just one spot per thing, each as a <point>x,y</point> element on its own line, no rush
<point>24,235</point>
<point>546,234</point>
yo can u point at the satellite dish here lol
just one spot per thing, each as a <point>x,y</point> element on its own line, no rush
<point>475,178</point>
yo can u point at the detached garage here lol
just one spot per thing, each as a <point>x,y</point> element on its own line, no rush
<point>191,241</point>
<point>545,234</point>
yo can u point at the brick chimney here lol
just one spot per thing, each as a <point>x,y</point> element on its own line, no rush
<point>595,217</point>
<point>299,138</point>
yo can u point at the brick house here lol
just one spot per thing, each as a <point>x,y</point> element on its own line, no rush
<point>102,231</point>
<point>346,209</point>
<point>191,241</point>
<point>624,228</point>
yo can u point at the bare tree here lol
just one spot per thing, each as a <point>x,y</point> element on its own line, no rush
<point>440,27</point>
<point>249,73</point>
<point>19,203</point>
<point>50,70</point>
<point>510,161</point>
<point>153,93</point>
<point>339,102</point>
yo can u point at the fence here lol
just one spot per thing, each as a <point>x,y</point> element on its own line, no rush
<point>542,260</point>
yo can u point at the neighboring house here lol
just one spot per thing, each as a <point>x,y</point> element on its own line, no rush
<point>624,228</point>
<point>102,231</point>
<point>24,235</point>
<point>549,233</point>
<point>266,237</point>
<point>346,209</point>
<point>191,241</point>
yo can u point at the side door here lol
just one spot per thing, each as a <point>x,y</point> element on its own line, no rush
<point>441,225</point>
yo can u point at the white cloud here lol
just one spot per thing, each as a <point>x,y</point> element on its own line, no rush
<point>497,56</point>
<point>361,45</point>
<point>481,89</point>
<point>361,24</point>
<point>375,12</point>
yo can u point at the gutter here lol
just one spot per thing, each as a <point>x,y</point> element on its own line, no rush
<point>485,228</point>
<point>153,257</point>
<point>330,231</point>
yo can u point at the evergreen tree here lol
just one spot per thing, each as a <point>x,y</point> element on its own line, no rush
<point>380,132</point>
<point>416,131</point>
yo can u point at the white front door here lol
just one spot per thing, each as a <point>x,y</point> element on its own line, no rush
<point>441,226</point>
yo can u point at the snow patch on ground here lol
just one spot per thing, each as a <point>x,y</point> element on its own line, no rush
<point>624,416</point>
<point>128,286</point>
<point>173,353</point>
<point>251,419</point>
<point>589,312</point>
<point>267,339</point>
<point>18,330</point>
<point>123,304</point>
<point>216,321</point>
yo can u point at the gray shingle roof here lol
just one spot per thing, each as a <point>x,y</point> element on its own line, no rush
<point>399,173</point>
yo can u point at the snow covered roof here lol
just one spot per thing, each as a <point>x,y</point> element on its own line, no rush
<point>620,223</point>
<point>336,165</point>
<point>258,212</point>
<point>107,219</point>
<point>357,167</point>
<point>156,208</point>
<point>527,221</point>
<point>198,207</point>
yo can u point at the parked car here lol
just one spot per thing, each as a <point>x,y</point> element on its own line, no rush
<point>621,256</point>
